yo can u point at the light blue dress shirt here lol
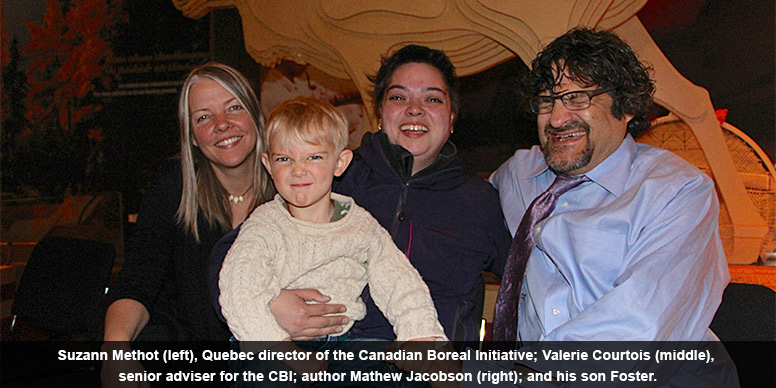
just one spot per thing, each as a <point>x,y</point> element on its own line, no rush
<point>633,255</point>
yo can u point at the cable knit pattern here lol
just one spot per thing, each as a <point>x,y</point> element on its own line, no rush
<point>276,251</point>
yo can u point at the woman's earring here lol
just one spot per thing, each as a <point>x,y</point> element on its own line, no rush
<point>379,127</point>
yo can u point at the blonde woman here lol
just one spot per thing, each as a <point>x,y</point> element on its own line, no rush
<point>161,292</point>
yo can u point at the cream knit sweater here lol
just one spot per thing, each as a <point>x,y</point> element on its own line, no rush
<point>276,251</point>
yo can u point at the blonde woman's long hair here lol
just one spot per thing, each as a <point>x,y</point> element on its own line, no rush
<point>202,191</point>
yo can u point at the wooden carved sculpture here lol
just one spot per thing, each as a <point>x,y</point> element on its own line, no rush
<point>346,39</point>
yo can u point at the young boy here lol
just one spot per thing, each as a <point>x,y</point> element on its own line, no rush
<point>309,237</point>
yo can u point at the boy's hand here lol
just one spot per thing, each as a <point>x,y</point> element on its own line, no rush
<point>304,321</point>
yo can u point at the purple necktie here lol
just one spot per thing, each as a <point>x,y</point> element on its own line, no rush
<point>505,319</point>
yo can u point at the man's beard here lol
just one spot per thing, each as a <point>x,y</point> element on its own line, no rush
<point>556,160</point>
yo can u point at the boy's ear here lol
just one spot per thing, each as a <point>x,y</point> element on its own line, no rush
<point>343,161</point>
<point>265,162</point>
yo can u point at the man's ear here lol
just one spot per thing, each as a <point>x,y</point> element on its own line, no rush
<point>265,162</point>
<point>345,157</point>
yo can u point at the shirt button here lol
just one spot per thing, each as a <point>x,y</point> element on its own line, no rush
<point>555,311</point>
<point>565,204</point>
<point>401,216</point>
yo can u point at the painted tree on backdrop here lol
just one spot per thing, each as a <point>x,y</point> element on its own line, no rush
<point>68,54</point>
<point>12,120</point>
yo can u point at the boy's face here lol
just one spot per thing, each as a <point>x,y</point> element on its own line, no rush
<point>303,174</point>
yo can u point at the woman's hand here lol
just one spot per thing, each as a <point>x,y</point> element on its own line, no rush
<point>109,375</point>
<point>304,321</point>
<point>123,322</point>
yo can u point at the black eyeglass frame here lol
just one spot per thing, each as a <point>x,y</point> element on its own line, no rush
<point>535,101</point>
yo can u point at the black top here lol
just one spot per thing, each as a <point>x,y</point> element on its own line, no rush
<point>165,267</point>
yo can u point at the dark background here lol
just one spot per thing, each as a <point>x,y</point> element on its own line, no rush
<point>724,46</point>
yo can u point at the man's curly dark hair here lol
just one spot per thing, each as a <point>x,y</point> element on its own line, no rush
<point>600,58</point>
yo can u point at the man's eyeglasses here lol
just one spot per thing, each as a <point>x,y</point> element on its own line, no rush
<point>575,100</point>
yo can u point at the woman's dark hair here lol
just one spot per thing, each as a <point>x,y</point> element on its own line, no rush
<point>597,58</point>
<point>414,54</point>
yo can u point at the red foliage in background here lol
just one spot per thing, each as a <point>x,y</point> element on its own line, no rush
<point>68,52</point>
<point>5,59</point>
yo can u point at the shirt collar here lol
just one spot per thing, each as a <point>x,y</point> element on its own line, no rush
<point>611,174</point>
<point>538,169</point>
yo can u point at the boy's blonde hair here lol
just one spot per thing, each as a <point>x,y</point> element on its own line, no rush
<point>307,119</point>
